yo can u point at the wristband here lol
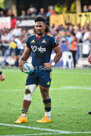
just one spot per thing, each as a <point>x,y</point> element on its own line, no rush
<point>53,64</point>
<point>0,72</point>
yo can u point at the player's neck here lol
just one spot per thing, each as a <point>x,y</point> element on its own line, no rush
<point>40,36</point>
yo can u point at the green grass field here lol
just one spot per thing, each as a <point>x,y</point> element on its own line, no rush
<point>71,100</point>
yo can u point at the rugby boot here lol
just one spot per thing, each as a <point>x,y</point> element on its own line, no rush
<point>44,120</point>
<point>21,119</point>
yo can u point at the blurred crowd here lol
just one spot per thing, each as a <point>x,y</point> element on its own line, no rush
<point>58,8</point>
<point>68,36</point>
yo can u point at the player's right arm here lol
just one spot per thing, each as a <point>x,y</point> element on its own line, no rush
<point>2,76</point>
<point>24,57</point>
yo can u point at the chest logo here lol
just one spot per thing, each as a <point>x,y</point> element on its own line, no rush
<point>43,41</point>
<point>33,41</point>
<point>40,49</point>
<point>34,48</point>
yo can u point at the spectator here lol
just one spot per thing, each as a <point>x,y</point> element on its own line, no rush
<point>16,30</point>
<point>89,8</point>
<point>13,22</point>
<point>72,45</point>
<point>23,14</point>
<point>64,9</point>
<point>89,38</point>
<point>86,41</point>
<point>62,33</point>
<point>85,8</point>
<point>58,8</point>
<point>42,12</point>
<point>78,35</point>
<point>51,11</point>
<point>58,38</point>
<point>5,38</point>
<point>2,13</point>
<point>73,7</point>
<point>71,29</point>
<point>10,13</point>
<point>28,13</point>
<point>33,10</point>
<point>86,34</point>
<point>19,49</point>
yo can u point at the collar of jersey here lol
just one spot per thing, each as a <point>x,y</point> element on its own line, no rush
<point>39,37</point>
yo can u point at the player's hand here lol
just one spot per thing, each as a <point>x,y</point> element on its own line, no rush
<point>89,58</point>
<point>21,63</point>
<point>2,77</point>
<point>47,65</point>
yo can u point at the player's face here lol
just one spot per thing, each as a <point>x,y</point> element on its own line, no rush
<point>40,28</point>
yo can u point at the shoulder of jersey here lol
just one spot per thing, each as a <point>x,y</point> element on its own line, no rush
<point>49,35</point>
<point>32,36</point>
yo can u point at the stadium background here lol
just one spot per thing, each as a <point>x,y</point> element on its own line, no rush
<point>77,15</point>
<point>18,5</point>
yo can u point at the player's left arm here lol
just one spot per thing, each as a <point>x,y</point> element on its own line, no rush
<point>57,57</point>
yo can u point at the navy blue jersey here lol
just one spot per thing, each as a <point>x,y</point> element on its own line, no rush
<point>41,50</point>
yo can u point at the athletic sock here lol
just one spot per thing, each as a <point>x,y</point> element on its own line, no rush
<point>48,114</point>
<point>24,112</point>
<point>47,106</point>
<point>24,115</point>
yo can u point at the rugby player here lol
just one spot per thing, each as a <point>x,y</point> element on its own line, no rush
<point>40,45</point>
<point>2,76</point>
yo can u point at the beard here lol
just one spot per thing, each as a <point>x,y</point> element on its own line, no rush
<point>39,32</point>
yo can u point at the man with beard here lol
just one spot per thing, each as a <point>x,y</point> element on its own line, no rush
<point>40,45</point>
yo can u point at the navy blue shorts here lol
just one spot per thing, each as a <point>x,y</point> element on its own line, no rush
<point>43,80</point>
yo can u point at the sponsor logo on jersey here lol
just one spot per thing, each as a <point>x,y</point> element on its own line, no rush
<point>34,48</point>
<point>43,41</point>
<point>40,49</point>
<point>48,83</point>
<point>33,41</point>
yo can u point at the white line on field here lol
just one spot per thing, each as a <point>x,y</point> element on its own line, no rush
<point>40,134</point>
<point>45,129</point>
<point>35,128</point>
<point>60,88</point>
<point>67,72</point>
<point>75,87</point>
<point>57,71</point>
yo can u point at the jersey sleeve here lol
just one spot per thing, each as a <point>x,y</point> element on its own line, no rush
<point>54,42</point>
<point>28,43</point>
